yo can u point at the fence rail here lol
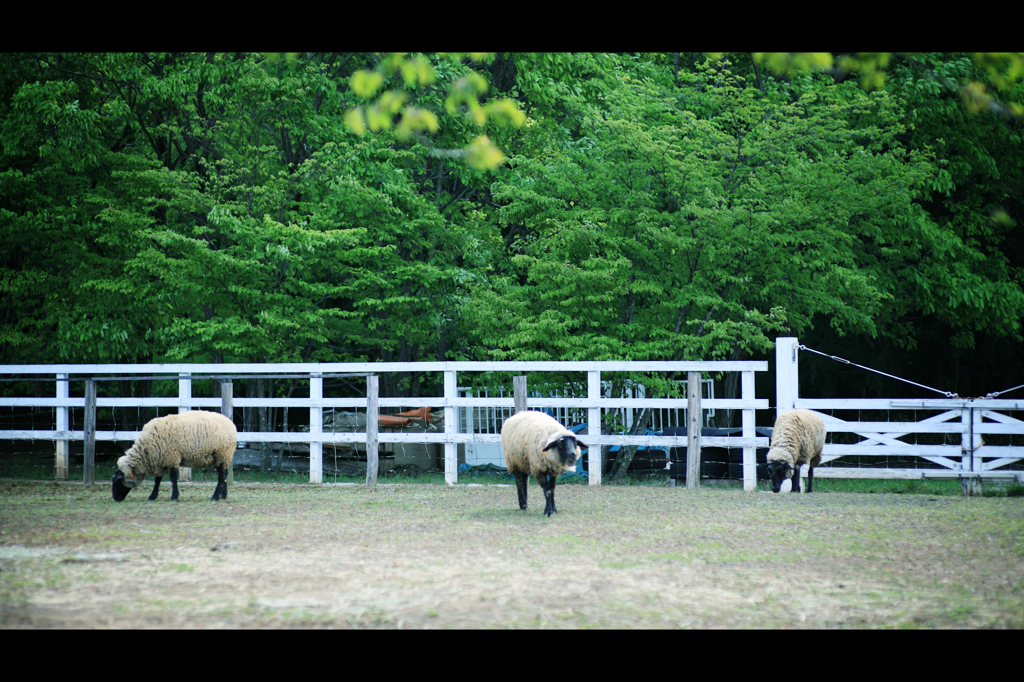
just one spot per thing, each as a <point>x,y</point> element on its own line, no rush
<point>449,404</point>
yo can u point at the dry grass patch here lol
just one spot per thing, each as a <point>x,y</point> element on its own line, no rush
<point>430,556</point>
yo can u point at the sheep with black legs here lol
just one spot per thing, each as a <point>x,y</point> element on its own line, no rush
<point>535,443</point>
<point>798,438</point>
<point>194,439</point>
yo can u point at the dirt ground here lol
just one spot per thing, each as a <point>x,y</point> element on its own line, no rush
<point>431,556</point>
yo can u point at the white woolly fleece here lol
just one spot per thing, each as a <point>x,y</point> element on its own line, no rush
<point>524,436</point>
<point>195,439</point>
<point>798,438</point>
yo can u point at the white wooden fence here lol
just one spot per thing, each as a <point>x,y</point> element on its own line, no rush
<point>489,420</point>
<point>964,421</point>
<point>451,401</point>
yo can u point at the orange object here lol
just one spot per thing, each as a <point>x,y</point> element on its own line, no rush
<point>405,418</point>
<point>420,413</point>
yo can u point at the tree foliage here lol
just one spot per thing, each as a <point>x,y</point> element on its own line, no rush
<point>364,206</point>
<point>689,222</point>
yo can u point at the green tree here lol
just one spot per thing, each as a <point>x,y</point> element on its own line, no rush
<point>690,222</point>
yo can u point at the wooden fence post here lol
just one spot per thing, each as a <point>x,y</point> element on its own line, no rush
<point>227,408</point>
<point>787,374</point>
<point>970,442</point>
<point>519,393</point>
<point>976,444</point>
<point>594,428</point>
<point>748,421</point>
<point>184,394</point>
<point>372,429</point>
<point>693,430</point>
<point>62,425</point>
<point>451,452</point>
<point>787,384</point>
<point>316,428</point>
<point>89,477</point>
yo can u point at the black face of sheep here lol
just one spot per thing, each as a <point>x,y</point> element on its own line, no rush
<point>120,490</point>
<point>565,448</point>
<point>779,472</point>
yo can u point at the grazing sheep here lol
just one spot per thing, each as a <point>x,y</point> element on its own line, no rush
<point>535,443</point>
<point>797,438</point>
<point>193,439</point>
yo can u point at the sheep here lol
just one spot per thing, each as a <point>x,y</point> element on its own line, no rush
<point>797,438</point>
<point>535,443</point>
<point>194,439</point>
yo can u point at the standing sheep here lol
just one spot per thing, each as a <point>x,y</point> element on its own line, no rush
<point>797,438</point>
<point>535,443</point>
<point>193,439</point>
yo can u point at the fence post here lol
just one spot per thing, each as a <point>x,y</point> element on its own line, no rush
<point>693,424</point>
<point>184,394</point>
<point>89,476</point>
<point>316,428</point>
<point>227,408</point>
<point>451,453</point>
<point>372,428</point>
<point>976,445</point>
<point>519,393</point>
<point>748,421</point>
<point>970,442</point>
<point>594,428</point>
<point>787,375</point>
<point>62,425</point>
<point>787,382</point>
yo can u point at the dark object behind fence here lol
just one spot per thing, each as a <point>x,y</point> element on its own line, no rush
<point>717,462</point>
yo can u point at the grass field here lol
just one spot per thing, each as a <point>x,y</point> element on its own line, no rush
<point>425,555</point>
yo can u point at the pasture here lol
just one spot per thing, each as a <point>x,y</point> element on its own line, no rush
<point>432,556</point>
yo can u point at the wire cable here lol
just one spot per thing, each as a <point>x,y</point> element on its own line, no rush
<point>847,362</point>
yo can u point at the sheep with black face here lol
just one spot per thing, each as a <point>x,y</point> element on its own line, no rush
<point>536,444</point>
<point>798,438</point>
<point>195,439</point>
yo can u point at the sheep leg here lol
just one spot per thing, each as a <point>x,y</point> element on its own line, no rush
<point>156,488</point>
<point>174,484</point>
<point>795,488</point>
<point>221,491</point>
<point>521,480</point>
<point>815,461</point>
<point>549,494</point>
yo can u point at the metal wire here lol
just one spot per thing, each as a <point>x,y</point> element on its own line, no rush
<point>908,381</point>
<point>1007,390</point>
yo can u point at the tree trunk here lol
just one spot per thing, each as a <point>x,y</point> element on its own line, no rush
<point>626,458</point>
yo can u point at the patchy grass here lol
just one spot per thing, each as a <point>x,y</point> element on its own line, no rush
<point>433,556</point>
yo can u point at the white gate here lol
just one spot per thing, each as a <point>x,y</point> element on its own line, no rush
<point>955,429</point>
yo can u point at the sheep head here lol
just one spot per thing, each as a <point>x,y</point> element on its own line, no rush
<point>779,472</point>
<point>566,449</point>
<point>124,480</point>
